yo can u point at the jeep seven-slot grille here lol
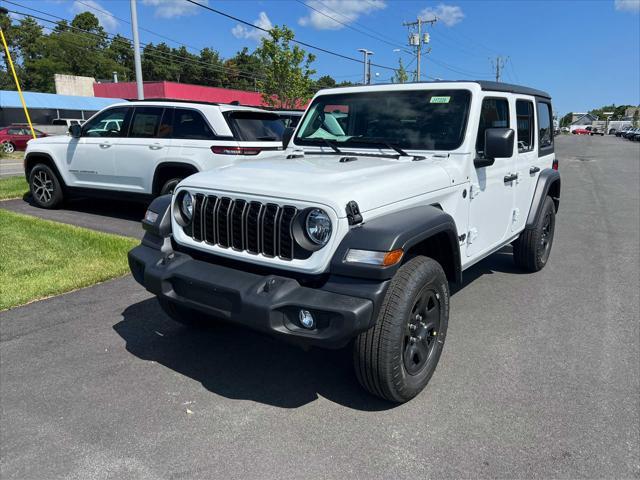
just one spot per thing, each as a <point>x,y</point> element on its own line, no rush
<point>253,227</point>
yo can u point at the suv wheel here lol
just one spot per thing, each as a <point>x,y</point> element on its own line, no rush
<point>45,187</point>
<point>184,315</point>
<point>170,185</point>
<point>8,147</point>
<point>532,248</point>
<point>396,358</point>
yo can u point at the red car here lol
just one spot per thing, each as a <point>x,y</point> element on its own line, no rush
<point>16,137</point>
<point>581,131</point>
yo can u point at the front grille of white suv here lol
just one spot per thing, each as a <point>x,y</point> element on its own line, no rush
<point>250,226</point>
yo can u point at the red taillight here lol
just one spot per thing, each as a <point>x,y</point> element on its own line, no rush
<point>555,164</point>
<point>235,150</point>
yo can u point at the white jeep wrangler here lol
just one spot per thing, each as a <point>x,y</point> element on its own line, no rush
<point>384,195</point>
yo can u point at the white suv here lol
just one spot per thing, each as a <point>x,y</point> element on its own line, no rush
<point>144,149</point>
<point>352,236</point>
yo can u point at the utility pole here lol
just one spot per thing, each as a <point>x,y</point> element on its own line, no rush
<point>366,78</point>
<point>498,65</point>
<point>417,39</point>
<point>136,49</point>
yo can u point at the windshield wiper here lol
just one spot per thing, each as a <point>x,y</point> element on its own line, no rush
<point>330,143</point>
<point>384,142</point>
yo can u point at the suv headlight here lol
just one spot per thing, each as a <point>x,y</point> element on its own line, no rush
<point>318,226</point>
<point>184,202</point>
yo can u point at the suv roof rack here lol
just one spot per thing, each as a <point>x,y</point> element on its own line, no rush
<point>175,100</point>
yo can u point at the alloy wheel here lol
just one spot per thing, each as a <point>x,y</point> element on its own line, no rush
<point>43,187</point>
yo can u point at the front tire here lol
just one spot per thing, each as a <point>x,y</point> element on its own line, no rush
<point>8,147</point>
<point>170,185</point>
<point>396,358</point>
<point>45,187</point>
<point>532,248</point>
<point>184,315</point>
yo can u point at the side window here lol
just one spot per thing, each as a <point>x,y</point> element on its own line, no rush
<point>494,114</point>
<point>189,124</point>
<point>145,122</point>
<point>106,124</point>
<point>166,124</point>
<point>14,131</point>
<point>524,112</point>
<point>545,132</point>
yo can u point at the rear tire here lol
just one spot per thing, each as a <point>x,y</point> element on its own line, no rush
<point>396,358</point>
<point>185,315</point>
<point>170,185</point>
<point>532,248</point>
<point>8,147</point>
<point>45,187</point>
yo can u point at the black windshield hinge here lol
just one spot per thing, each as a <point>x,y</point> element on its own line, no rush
<point>353,213</point>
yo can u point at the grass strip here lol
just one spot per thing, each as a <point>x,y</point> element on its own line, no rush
<point>13,187</point>
<point>40,258</point>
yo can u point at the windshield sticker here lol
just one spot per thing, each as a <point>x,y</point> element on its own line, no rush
<point>440,99</point>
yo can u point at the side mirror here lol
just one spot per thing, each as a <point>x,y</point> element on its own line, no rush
<point>75,131</point>
<point>286,136</point>
<point>498,143</point>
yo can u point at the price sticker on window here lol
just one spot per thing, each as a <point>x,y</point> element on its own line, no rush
<point>440,99</point>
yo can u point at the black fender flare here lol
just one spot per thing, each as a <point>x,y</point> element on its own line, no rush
<point>28,159</point>
<point>548,184</point>
<point>404,229</point>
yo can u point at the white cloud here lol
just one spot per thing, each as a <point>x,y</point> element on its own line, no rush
<point>174,8</point>
<point>345,11</point>
<point>103,15</point>
<point>628,5</point>
<point>240,31</point>
<point>449,15</point>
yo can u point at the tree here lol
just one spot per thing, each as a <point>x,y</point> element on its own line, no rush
<point>286,81</point>
<point>566,120</point>
<point>636,117</point>
<point>401,75</point>
<point>242,70</point>
<point>326,81</point>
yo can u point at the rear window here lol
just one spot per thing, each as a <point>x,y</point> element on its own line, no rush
<point>255,126</point>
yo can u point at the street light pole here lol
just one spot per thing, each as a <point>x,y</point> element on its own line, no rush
<point>136,49</point>
<point>366,80</point>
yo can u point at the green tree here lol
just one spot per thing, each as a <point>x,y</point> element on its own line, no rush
<point>242,70</point>
<point>326,81</point>
<point>401,75</point>
<point>566,120</point>
<point>287,70</point>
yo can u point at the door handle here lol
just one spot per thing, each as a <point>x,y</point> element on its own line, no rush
<point>155,146</point>
<point>510,178</point>
<point>534,170</point>
<point>105,145</point>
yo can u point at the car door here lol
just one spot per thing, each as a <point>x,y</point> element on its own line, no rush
<point>143,148</point>
<point>492,192</point>
<point>90,158</point>
<point>526,159</point>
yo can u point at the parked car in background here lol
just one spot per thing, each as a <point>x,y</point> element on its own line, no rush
<point>15,137</point>
<point>595,131</point>
<point>623,131</point>
<point>629,134</point>
<point>565,130</point>
<point>581,131</point>
<point>144,149</point>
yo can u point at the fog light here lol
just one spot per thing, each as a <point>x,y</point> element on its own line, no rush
<point>306,319</point>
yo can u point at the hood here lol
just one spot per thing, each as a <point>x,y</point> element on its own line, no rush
<point>370,181</point>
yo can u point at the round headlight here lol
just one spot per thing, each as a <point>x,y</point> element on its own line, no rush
<point>186,206</point>
<point>318,226</point>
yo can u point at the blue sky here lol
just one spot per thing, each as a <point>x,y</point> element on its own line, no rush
<point>586,53</point>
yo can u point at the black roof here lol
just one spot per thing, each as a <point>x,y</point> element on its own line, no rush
<point>484,85</point>
<point>508,87</point>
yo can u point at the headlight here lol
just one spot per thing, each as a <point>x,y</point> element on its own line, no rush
<point>184,205</point>
<point>318,226</point>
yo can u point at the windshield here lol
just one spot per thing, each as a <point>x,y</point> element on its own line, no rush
<point>410,119</point>
<point>255,126</point>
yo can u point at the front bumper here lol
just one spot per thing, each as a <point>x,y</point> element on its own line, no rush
<point>342,306</point>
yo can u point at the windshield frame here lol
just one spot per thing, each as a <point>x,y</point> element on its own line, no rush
<point>351,143</point>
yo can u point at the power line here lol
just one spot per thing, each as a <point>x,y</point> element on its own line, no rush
<point>304,44</point>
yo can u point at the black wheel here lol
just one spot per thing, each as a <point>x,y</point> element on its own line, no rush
<point>185,315</point>
<point>45,187</point>
<point>532,248</point>
<point>396,358</point>
<point>8,147</point>
<point>170,185</point>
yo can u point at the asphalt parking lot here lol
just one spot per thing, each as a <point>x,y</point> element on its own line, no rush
<point>539,377</point>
